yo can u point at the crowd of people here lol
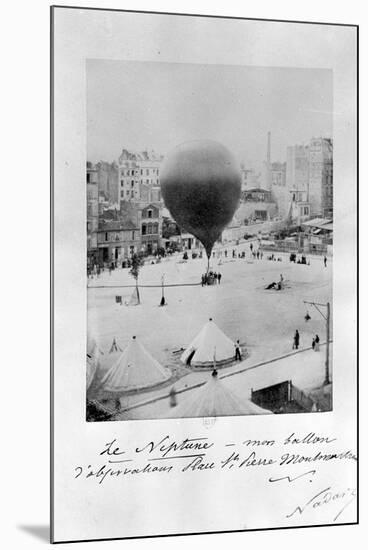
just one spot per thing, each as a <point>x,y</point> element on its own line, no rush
<point>211,278</point>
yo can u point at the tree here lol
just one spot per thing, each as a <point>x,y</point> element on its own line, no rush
<point>137,262</point>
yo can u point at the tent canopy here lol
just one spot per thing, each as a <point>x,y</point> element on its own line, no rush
<point>134,369</point>
<point>213,399</point>
<point>210,345</point>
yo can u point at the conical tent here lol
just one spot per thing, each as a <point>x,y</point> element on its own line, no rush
<point>209,343</point>
<point>134,369</point>
<point>212,399</point>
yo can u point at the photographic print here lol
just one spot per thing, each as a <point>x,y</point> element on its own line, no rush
<point>209,240</point>
<point>204,374</point>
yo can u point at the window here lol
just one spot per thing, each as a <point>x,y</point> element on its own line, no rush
<point>88,177</point>
<point>149,213</point>
<point>155,228</point>
<point>149,229</point>
<point>132,184</point>
<point>147,172</point>
<point>132,235</point>
<point>144,229</point>
<point>106,236</point>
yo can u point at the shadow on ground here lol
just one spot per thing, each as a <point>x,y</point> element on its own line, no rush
<point>41,532</point>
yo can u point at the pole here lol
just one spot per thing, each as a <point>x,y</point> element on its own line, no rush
<point>136,286</point>
<point>327,364</point>
<point>327,318</point>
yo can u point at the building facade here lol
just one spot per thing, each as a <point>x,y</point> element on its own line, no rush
<point>92,213</point>
<point>138,174</point>
<point>299,207</point>
<point>297,168</point>
<point>279,190</point>
<point>256,205</point>
<point>321,177</point>
<point>249,178</point>
<point>117,241</point>
<point>108,180</point>
<point>151,228</point>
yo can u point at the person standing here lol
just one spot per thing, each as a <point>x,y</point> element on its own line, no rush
<point>237,351</point>
<point>325,261</point>
<point>313,343</point>
<point>281,281</point>
<point>219,278</point>
<point>316,343</point>
<point>296,340</point>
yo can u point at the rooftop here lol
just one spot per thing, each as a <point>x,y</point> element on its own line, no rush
<point>126,225</point>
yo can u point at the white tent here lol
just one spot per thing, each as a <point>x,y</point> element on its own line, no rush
<point>209,345</point>
<point>93,359</point>
<point>134,369</point>
<point>213,399</point>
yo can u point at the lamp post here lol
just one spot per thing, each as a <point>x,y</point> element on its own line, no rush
<point>327,319</point>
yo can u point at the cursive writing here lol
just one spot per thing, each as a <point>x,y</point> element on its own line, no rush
<point>166,447</point>
<point>323,498</point>
<point>310,439</point>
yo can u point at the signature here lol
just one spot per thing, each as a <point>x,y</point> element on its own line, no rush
<point>324,498</point>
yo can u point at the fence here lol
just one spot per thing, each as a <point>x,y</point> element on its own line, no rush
<point>293,246</point>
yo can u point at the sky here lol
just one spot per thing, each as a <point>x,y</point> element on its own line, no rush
<point>150,105</point>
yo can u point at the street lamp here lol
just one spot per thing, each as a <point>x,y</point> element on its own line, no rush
<point>327,319</point>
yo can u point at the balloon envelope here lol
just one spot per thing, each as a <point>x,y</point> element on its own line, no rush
<point>201,184</point>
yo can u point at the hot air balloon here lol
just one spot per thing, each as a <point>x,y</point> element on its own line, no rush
<point>201,184</point>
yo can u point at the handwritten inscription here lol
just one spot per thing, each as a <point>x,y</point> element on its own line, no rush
<point>278,461</point>
<point>166,455</point>
<point>166,447</point>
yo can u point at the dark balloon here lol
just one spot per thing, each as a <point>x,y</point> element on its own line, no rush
<point>201,184</point>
